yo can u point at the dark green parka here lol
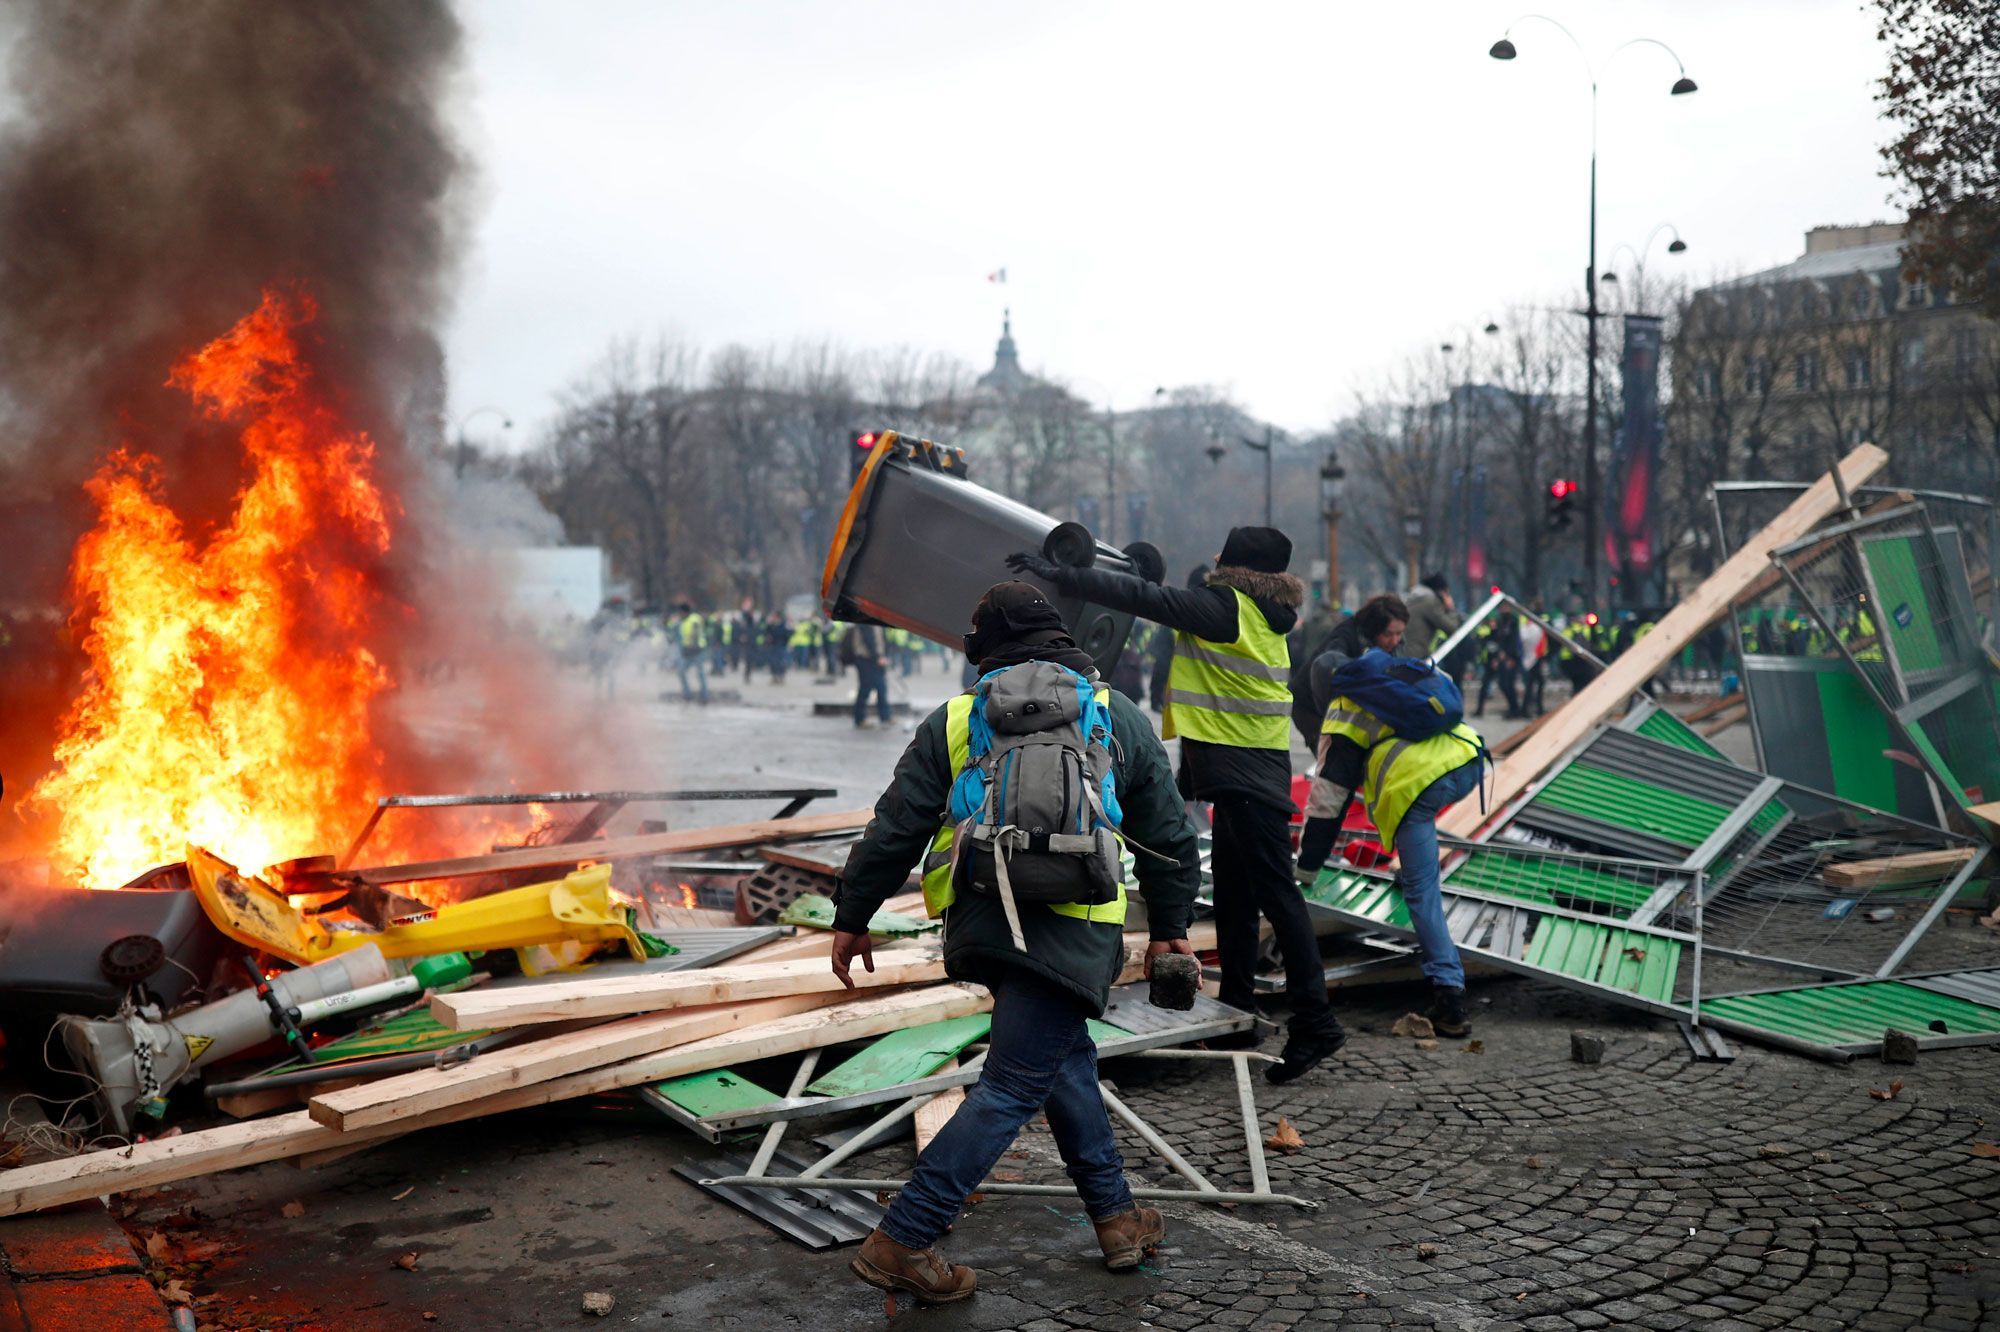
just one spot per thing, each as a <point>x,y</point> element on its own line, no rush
<point>1082,957</point>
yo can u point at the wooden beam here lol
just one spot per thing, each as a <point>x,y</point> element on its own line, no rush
<point>1713,706</point>
<point>406,1095</point>
<point>187,1155</point>
<point>1647,657</point>
<point>649,992</point>
<point>618,848</point>
<point>935,1113</point>
<point>1724,722</point>
<point>1510,743</point>
<point>1891,871</point>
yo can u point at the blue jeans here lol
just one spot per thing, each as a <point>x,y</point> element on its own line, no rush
<point>694,661</point>
<point>1417,856</point>
<point>872,678</point>
<point>1040,1057</point>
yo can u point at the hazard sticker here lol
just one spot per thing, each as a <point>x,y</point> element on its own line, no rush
<point>198,1045</point>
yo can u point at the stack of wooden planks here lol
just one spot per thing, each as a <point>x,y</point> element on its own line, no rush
<point>591,1035</point>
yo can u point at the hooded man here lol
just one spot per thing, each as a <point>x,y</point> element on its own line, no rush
<point>1050,965</point>
<point>1229,701</point>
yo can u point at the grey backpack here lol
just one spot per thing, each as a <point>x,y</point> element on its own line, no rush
<point>1036,807</point>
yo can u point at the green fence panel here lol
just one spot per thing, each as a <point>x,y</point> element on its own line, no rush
<point>903,1056</point>
<point>1628,803</point>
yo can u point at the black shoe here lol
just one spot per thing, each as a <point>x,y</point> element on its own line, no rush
<point>1447,1012</point>
<point>1303,1051</point>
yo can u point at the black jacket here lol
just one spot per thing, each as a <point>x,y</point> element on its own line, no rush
<point>1080,956</point>
<point>1209,612</point>
<point>1312,676</point>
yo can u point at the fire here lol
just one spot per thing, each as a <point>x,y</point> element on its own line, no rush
<point>688,898</point>
<point>228,697</point>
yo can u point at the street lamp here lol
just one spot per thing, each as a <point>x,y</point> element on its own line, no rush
<point>1504,50</point>
<point>1413,536</point>
<point>1330,476</point>
<point>1638,291</point>
<point>464,449</point>
<point>1265,449</point>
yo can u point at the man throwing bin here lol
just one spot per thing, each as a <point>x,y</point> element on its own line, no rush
<point>1015,796</point>
<point>1229,701</point>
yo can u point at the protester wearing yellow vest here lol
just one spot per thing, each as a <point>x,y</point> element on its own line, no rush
<point>1047,980</point>
<point>1229,700</point>
<point>1406,784</point>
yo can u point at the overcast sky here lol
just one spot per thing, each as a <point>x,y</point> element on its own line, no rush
<point>1280,199</point>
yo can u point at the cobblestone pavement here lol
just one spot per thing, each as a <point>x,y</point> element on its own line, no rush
<point>1648,1191</point>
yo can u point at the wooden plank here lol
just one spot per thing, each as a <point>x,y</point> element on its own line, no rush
<point>935,1113</point>
<point>616,996</point>
<point>1513,742</point>
<point>1891,871</point>
<point>1724,722</point>
<point>812,857</point>
<point>1648,656</point>
<point>405,1095</point>
<point>187,1155</point>
<point>619,848</point>
<point>1990,813</point>
<point>1713,706</point>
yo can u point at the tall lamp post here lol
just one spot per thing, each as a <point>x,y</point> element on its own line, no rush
<point>1330,476</point>
<point>1264,448</point>
<point>1637,293</point>
<point>1592,500</point>
<point>462,453</point>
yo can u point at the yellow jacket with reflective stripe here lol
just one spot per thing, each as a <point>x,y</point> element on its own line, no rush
<point>693,631</point>
<point>1234,693</point>
<point>1398,770</point>
<point>938,889</point>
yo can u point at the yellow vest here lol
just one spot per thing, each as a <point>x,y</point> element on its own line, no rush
<point>939,891</point>
<point>692,635</point>
<point>1232,693</point>
<point>1400,770</point>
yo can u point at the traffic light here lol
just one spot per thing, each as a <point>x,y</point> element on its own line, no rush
<point>864,444</point>
<point>1560,508</point>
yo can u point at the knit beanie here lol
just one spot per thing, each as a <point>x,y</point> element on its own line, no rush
<point>1264,549</point>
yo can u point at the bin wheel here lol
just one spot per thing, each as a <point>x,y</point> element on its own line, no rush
<point>1070,544</point>
<point>132,958</point>
<point>1147,561</point>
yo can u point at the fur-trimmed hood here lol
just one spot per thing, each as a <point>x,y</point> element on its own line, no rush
<point>1280,589</point>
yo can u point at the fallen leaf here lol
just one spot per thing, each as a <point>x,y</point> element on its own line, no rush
<point>1427,1045</point>
<point>157,1247</point>
<point>1895,1090</point>
<point>1428,1251</point>
<point>1474,1047</point>
<point>1986,1149</point>
<point>291,1211</point>
<point>174,1292</point>
<point>404,1194</point>
<point>1285,1138</point>
<point>406,1261</point>
<point>1636,954</point>
<point>1002,1175</point>
<point>976,1198</point>
<point>14,1155</point>
<point>1774,1149</point>
<point>889,1304</point>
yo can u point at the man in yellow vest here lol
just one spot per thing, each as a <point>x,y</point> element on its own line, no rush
<point>1229,700</point>
<point>1049,965</point>
<point>1406,783</point>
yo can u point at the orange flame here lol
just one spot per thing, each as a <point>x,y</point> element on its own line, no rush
<point>227,702</point>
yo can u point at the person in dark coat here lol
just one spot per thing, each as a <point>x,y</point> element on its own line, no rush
<point>1229,701</point>
<point>871,672</point>
<point>1379,623</point>
<point>1041,1054</point>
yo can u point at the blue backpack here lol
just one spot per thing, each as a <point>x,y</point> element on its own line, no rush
<point>1037,804</point>
<point>1413,698</point>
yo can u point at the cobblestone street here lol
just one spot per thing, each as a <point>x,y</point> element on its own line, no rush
<point>1648,1191</point>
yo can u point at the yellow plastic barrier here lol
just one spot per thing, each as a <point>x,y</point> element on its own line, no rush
<point>574,910</point>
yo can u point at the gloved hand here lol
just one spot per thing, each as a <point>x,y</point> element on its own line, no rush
<point>1026,562</point>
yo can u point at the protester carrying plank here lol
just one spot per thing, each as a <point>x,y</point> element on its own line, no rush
<point>1020,792</point>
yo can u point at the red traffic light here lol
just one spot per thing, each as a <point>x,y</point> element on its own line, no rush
<point>1561,488</point>
<point>865,441</point>
<point>1590,618</point>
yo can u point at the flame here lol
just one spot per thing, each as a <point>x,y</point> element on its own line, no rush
<point>227,701</point>
<point>688,898</point>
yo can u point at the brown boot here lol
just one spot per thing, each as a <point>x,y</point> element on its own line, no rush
<point>1125,1236</point>
<point>891,1266</point>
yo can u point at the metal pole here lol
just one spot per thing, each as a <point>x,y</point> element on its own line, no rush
<point>1268,432</point>
<point>1592,499</point>
<point>873,1133</point>
<point>1110,470</point>
<point>766,1148</point>
<point>1017,1190</point>
<point>1154,1140</point>
<point>1253,1139</point>
<point>1700,941</point>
